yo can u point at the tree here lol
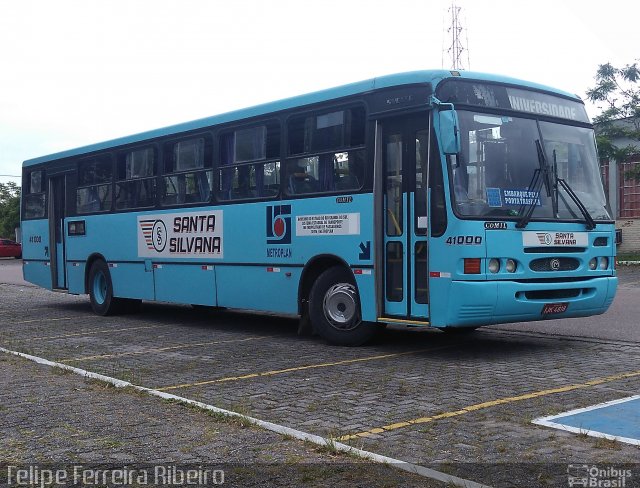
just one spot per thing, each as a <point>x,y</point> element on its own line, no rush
<point>618,126</point>
<point>9,209</point>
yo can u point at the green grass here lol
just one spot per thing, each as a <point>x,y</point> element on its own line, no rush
<point>217,416</point>
<point>629,256</point>
<point>602,443</point>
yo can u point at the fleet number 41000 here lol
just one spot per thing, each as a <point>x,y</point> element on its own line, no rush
<point>464,240</point>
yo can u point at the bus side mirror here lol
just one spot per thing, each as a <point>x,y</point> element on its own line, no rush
<point>449,132</point>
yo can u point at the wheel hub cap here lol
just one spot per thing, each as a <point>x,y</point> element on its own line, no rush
<point>340,306</point>
<point>100,288</point>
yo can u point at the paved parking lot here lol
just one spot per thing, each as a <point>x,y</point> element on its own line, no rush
<point>463,404</point>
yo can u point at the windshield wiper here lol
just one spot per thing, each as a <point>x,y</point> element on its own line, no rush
<point>540,175</point>
<point>589,222</point>
<point>563,183</point>
<point>551,181</point>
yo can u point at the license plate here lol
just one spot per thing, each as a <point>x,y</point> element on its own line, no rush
<point>551,308</point>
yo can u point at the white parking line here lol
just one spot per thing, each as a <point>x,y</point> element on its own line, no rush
<point>280,429</point>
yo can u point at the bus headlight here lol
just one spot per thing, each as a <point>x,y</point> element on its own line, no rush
<point>604,263</point>
<point>494,265</point>
<point>593,263</point>
<point>511,266</point>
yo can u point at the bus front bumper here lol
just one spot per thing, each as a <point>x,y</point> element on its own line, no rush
<point>492,302</point>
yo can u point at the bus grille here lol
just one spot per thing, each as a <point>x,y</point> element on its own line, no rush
<point>554,264</point>
<point>554,294</point>
<point>555,250</point>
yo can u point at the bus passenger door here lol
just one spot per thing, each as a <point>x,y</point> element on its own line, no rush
<point>402,148</point>
<point>57,205</point>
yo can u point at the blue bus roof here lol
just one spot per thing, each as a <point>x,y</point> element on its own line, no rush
<point>408,78</point>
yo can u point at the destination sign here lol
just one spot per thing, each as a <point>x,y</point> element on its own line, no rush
<point>540,103</point>
<point>483,94</point>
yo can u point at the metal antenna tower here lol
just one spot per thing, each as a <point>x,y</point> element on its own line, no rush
<point>457,47</point>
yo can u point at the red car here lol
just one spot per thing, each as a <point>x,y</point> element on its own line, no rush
<point>10,249</point>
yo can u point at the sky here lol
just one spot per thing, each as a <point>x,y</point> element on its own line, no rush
<point>77,72</point>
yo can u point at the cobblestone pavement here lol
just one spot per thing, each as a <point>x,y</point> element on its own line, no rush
<point>54,419</point>
<point>459,404</point>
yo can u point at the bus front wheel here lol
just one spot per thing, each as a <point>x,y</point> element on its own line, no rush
<point>101,290</point>
<point>334,308</point>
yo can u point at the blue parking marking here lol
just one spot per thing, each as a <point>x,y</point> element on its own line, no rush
<point>616,420</point>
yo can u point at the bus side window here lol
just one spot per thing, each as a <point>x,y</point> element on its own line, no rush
<point>188,177</point>
<point>136,183</point>
<point>326,152</point>
<point>34,195</point>
<point>302,175</point>
<point>349,170</point>
<point>95,178</point>
<point>249,163</point>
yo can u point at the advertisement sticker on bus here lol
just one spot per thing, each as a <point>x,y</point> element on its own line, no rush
<point>328,224</point>
<point>181,235</point>
<point>555,239</point>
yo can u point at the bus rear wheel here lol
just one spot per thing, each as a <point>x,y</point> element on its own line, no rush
<point>334,309</point>
<point>101,290</point>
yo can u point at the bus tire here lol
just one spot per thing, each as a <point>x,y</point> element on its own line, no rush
<point>334,308</point>
<point>101,290</point>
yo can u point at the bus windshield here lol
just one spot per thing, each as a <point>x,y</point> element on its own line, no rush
<point>494,174</point>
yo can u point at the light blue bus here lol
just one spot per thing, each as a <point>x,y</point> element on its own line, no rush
<point>433,198</point>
